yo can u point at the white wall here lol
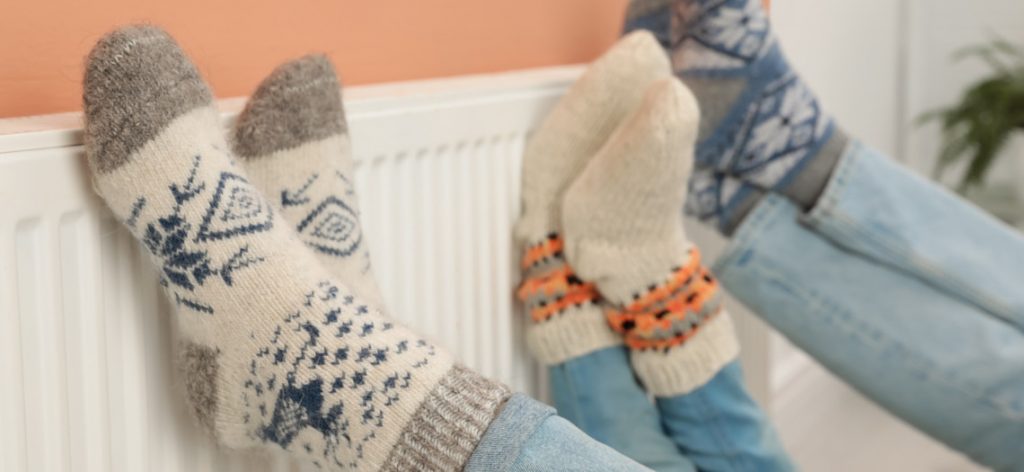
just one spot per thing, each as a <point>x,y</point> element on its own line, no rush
<point>848,51</point>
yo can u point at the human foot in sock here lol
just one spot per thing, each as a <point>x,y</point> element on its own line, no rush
<point>624,234</point>
<point>567,321</point>
<point>719,199</point>
<point>274,351</point>
<point>293,143</point>
<point>761,123</point>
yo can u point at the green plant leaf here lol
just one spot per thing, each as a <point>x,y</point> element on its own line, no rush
<point>989,111</point>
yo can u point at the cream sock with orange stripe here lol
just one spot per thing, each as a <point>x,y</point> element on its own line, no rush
<point>623,233</point>
<point>567,320</point>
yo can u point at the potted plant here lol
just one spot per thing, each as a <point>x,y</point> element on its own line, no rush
<point>988,114</point>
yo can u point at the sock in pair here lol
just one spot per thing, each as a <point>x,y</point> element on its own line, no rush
<point>624,233</point>
<point>275,350</point>
<point>567,318</point>
<point>762,129</point>
<point>292,140</point>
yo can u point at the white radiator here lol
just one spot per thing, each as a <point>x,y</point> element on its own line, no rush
<point>86,382</point>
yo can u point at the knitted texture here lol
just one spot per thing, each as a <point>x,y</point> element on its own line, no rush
<point>761,123</point>
<point>623,233</point>
<point>566,320</point>
<point>292,141</point>
<point>274,351</point>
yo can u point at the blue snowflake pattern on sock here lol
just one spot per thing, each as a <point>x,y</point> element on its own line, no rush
<point>781,128</point>
<point>317,357</point>
<point>775,125</point>
<point>719,34</point>
<point>180,245</point>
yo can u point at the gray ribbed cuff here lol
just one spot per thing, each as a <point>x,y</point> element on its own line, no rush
<point>448,424</point>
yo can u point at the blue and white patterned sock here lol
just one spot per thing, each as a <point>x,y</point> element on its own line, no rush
<point>761,123</point>
<point>292,141</point>
<point>275,352</point>
<point>719,199</point>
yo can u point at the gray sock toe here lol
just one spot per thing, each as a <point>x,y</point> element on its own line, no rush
<point>137,79</point>
<point>299,102</point>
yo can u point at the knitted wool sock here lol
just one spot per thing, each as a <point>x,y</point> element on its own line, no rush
<point>623,233</point>
<point>292,140</point>
<point>566,319</point>
<point>720,199</point>
<point>274,351</point>
<point>762,124</point>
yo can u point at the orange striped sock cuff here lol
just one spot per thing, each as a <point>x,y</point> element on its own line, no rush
<point>667,314</point>
<point>550,287</point>
<point>567,316</point>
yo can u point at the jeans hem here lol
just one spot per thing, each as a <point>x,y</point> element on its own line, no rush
<point>506,436</point>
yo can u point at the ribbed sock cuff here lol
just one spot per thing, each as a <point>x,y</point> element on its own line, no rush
<point>449,424</point>
<point>571,334</point>
<point>686,367</point>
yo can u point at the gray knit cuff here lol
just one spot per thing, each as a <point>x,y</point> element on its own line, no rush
<point>449,424</point>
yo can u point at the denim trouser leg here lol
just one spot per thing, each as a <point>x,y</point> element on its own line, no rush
<point>528,437</point>
<point>599,394</point>
<point>721,428</point>
<point>878,209</point>
<point>944,365</point>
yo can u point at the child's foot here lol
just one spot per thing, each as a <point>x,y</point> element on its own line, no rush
<point>275,352</point>
<point>292,140</point>
<point>566,319</point>
<point>624,233</point>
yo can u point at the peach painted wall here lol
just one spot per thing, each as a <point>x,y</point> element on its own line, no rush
<point>43,42</point>
<point>235,43</point>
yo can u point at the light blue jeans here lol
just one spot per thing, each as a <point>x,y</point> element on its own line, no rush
<point>716,427</point>
<point>911,295</point>
<point>528,437</point>
<point>599,394</point>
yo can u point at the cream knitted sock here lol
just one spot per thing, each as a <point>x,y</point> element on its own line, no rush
<point>292,140</point>
<point>275,352</point>
<point>623,232</point>
<point>566,319</point>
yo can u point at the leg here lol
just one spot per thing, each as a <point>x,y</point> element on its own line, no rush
<point>623,233</point>
<point>569,332</point>
<point>720,427</point>
<point>558,445</point>
<point>528,437</point>
<point>929,358</point>
<point>766,130</point>
<point>598,393</point>
<point>878,209</point>
<point>275,353</point>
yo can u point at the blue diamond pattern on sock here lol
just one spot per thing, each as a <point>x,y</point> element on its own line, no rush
<point>332,228</point>
<point>234,209</point>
